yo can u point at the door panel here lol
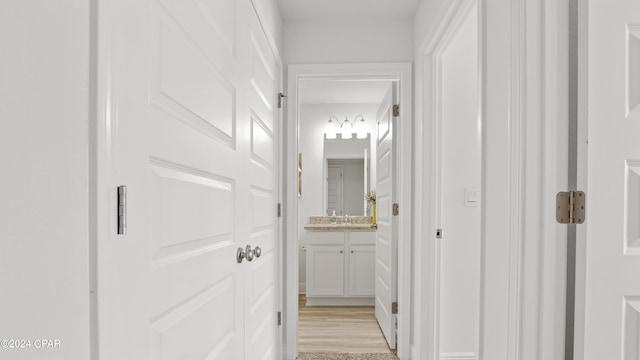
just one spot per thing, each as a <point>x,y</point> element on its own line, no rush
<point>261,290</point>
<point>199,158</point>
<point>612,286</point>
<point>190,231</point>
<point>386,241</point>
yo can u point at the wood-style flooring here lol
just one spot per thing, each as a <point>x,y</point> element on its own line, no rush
<point>349,329</point>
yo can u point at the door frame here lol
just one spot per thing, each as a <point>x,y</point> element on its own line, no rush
<point>523,72</point>
<point>401,72</point>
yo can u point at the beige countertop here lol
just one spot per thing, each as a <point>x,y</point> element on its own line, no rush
<point>341,227</point>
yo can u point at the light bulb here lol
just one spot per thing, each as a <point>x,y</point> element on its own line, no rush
<point>330,130</point>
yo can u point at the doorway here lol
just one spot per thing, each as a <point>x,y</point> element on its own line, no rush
<point>301,207</point>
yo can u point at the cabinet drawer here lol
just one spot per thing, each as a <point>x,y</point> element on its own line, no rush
<point>362,237</point>
<point>325,237</point>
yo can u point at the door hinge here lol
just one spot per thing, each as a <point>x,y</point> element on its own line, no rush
<point>570,207</point>
<point>396,209</point>
<point>438,233</point>
<point>279,318</point>
<point>394,307</point>
<point>122,209</point>
<point>396,110</point>
<point>279,209</point>
<point>280,96</point>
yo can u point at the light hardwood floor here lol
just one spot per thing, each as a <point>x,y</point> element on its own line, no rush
<point>351,329</point>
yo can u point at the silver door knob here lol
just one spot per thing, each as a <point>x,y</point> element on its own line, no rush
<point>257,251</point>
<point>240,255</point>
<point>249,253</point>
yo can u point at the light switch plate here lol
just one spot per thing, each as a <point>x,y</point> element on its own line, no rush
<point>471,196</point>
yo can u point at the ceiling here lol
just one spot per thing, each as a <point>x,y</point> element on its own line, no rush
<point>343,91</point>
<point>347,9</point>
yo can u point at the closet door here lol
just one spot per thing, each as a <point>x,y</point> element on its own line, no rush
<point>612,299</point>
<point>184,132</point>
<point>261,292</point>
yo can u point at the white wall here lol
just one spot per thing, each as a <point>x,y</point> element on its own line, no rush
<point>320,42</point>
<point>44,150</point>
<point>313,119</point>
<point>461,169</point>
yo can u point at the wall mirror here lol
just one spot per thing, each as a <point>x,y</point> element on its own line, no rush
<point>347,175</point>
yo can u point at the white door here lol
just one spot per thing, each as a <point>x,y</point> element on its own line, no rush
<point>386,239</point>
<point>192,134</point>
<point>612,322</point>
<point>334,189</point>
<point>261,295</point>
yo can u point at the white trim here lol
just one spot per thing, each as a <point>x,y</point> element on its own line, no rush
<point>391,71</point>
<point>427,272</point>
<point>545,270</point>
<point>516,186</point>
<point>583,127</point>
<point>104,219</point>
<point>97,164</point>
<point>458,356</point>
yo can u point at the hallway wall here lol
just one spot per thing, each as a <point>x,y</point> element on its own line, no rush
<point>326,42</point>
<point>44,151</point>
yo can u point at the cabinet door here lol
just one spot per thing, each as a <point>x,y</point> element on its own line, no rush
<point>325,271</point>
<point>362,267</point>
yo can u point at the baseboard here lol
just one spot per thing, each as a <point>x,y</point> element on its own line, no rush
<point>284,351</point>
<point>457,356</point>
<point>302,288</point>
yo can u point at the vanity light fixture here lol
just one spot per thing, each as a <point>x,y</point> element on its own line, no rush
<point>331,127</point>
<point>346,128</point>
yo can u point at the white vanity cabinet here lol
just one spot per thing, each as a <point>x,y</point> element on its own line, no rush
<point>340,268</point>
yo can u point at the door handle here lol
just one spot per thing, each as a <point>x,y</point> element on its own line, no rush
<point>249,253</point>
<point>240,254</point>
<point>257,251</point>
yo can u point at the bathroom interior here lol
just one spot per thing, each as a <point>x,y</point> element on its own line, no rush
<point>338,141</point>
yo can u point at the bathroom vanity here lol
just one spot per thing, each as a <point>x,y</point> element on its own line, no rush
<point>340,264</point>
